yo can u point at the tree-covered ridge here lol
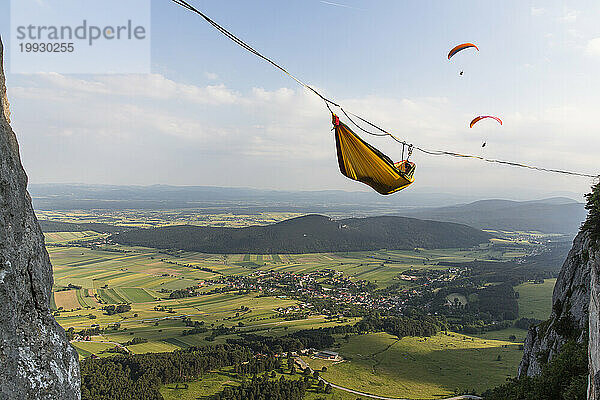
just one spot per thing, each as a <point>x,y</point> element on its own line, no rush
<point>323,337</point>
<point>592,223</point>
<point>132,377</point>
<point>262,388</point>
<point>309,234</point>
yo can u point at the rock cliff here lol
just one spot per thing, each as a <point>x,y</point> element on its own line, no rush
<point>593,227</point>
<point>575,304</point>
<point>36,360</point>
<point>569,318</point>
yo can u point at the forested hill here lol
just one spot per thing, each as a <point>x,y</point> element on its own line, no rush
<point>56,226</point>
<point>309,234</point>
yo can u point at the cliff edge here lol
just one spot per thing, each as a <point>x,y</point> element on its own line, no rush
<point>592,225</point>
<point>569,318</point>
<point>575,304</point>
<point>37,361</point>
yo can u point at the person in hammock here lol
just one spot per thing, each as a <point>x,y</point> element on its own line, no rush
<point>405,167</point>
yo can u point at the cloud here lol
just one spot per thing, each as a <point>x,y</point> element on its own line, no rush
<point>593,47</point>
<point>569,16</point>
<point>149,129</point>
<point>148,86</point>
<point>535,11</point>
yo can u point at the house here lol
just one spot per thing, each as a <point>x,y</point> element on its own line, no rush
<point>328,355</point>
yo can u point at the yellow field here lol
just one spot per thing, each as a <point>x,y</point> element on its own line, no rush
<point>66,299</point>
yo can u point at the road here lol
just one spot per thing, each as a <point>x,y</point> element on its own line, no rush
<point>372,396</point>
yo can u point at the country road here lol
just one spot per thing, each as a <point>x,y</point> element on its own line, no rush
<point>372,396</point>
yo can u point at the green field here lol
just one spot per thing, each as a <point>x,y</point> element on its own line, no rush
<point>415,367</point>
<point>535,300</point>
<point>216,381</point>
<point>379,364</point>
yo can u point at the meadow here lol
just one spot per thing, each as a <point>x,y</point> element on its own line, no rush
<point>535,299</point>
<point>380,364</point>
<point>215,382</point>
<point>414,367</point>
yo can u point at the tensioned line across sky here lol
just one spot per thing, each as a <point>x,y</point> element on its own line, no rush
<point>211,114</point>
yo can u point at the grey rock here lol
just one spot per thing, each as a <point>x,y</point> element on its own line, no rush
<point>571,297</point>
<point>594,338</point>
<point>36,360</point>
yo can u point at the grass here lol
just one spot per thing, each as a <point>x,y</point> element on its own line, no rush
<point>152,347</point>
<point>209,385</point>
<point>217,381</point>
<point>535,300</point>
<point>135,295</point>
<point>67,299</point>
<point>457,297</point>
<point>110,296</point>
<point>85,349</point>
<point>421,367</point>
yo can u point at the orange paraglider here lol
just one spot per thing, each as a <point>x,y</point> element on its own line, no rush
<point>461,47</point>
<point>477,119</point>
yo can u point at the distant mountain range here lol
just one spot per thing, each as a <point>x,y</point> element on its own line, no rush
<point>309,234</point>
<point>82,197</point>
<point>554,215</point>
<point>85,197</point>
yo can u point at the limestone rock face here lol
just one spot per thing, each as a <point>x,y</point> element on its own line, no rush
<point>570,301</point>
<point>594,339</point>
<point>36,360</point>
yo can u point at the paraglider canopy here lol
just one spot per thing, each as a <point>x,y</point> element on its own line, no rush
<point>461,47</point>
<point>477,119</point>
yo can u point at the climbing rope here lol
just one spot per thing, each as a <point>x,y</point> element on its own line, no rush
<point>382,132</point>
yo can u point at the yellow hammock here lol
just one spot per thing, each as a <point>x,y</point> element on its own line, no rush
<point>362,162</point>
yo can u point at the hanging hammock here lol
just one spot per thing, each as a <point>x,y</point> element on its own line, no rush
<point>360,161</point>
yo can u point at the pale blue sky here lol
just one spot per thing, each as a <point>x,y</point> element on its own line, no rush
<point>212,114</point>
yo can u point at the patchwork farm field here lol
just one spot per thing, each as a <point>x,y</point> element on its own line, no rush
<point>90,277</point>
<point>67,237</point>
<point>154,218</point>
